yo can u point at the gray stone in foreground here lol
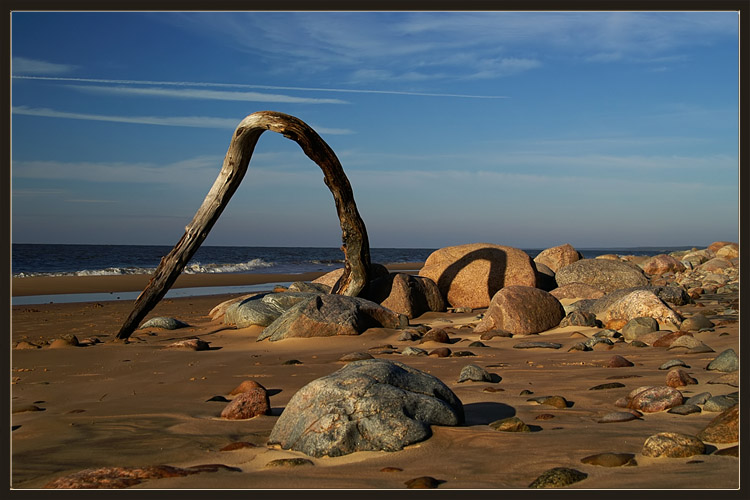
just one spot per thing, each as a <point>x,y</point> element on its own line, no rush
<point>368,405</point>
<point>474,373</point>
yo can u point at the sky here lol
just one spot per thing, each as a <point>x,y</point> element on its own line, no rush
<point>525,129</point>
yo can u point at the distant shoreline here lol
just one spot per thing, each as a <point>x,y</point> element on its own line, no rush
<point>58,285</point>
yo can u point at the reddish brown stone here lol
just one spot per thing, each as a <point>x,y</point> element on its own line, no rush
<point>441,352</point>
<point>436,335</point>
<point>618,361</point>
<point>558,257</point>
<point>655,399</point>
<point>661,264</point>
<point>249,404</point>
<point>522,310</point>
<point>679,378</point>
<point>245,386</point>
<point>667,339</point>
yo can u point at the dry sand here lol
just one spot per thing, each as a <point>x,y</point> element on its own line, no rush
<point>139,404</point>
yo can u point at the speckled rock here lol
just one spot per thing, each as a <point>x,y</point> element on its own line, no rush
<point>289,462</point>
<point>413,351</point>
<point>726,361</point>
<point>579,318</point>
<point>641,303</point>
<point>577,291</point>
<point>718,404</point>
<point>368,405</point>
<point>245,386</point>
<point>724,428</point>
<point>610,459</point>
<point>558,477</point>
<point>190,344</point>
<point>655,399</point>
<point>474,373</point>
<point>554,401</point>
<point>672,445</point>
<point>606,275</point>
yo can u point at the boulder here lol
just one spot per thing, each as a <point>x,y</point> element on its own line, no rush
<point>330,315</point>
<point>368,405</point>
<point>716,245</point>
<point>672,445</point>
<point>726,361</point>
<point>696,322</point>
<point>470,275</point>
<point>729,252</point>
<point>638,326</point>
<point>522,310</point>
<point>715,265</point>
<point>642,303</point>
<point>606,275</point>
<point>409,295</point>
<point>662,264</point>
<point>725,428</point>
<point>577,291</point>
<point>558,257</point>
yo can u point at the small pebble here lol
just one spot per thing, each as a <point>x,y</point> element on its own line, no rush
<point>292,362</point>
<point>558,478</point>
<point>672,363</point>
<point>423,482</point>
<point>492,389</point>
<point>510,424</point>
<point>391,469</point>
<point>610,385</point>
<point>477,344</point>
<point>289,462</point>
<point>618,416</point>
<point>544,416</point>
<point>474,373</point>
<point>618,361</point>
<point>462,354</point>
<point>684,409</point>
<point>440,352</point>
<point>555,401</point>
<point>413,351</point>
<point>537,345</point>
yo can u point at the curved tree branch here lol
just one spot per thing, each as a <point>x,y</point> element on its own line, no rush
<point>353,233</point>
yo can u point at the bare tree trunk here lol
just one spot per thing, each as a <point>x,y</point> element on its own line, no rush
<point>356,247</point>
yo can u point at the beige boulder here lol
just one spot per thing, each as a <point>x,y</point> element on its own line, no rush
<point>662,264</point>
<point>522,310</point>
<point>470,275</point>
<point>558,257</point>
<point>641,303</point>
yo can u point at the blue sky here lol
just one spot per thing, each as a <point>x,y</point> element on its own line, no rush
<point>526,129</point>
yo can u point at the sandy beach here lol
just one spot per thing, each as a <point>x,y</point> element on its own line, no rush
<point>110,404</point>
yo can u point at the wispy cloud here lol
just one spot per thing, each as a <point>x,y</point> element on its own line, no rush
<point>377,74</point>
<point>220,95</point>
<point>171,121</point>
<point>23,65</point>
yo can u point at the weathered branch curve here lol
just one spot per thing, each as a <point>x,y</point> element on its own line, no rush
<point>356,246</point>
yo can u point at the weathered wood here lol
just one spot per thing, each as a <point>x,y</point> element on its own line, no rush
<point>356,246</point>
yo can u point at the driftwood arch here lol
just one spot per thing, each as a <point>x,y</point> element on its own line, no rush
<point>353,233</point>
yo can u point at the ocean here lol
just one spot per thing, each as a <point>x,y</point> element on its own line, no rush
<point>103,260</point>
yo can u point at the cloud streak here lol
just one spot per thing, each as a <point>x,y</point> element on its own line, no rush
<point>169,121</point>
<point>250,86</point>
<point>36,67</point>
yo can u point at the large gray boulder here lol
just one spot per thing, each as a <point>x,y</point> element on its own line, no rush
<point>606,275</point>
<point>330,315</point>
<point>368,405</point>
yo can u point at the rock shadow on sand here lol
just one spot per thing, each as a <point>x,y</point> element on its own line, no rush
<point>487,412</point>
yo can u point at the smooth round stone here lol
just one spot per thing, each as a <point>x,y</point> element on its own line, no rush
<point>686,341</point>
<point>618,361</point>
<point>685,409</point>
<point>436,335</point>
<point>555,401</point>
<point>510,424</point>
<point>673,445</point>
<point>537,345</point>
<point>477,344</point>
<point>679,378</point>
<point>618,416</point>
<point>474,373</point>
<point>638,343</point>
<point>672,363</point>
<point>639,326</point>
<point>609,385</point>
<point>610,459</point>
<point>696,322</point>
<point>703,348</point>
<point>440,352</point>
<point>413,351</point>
<point>718,403</point>
<point>558,477</point>
<point>698,399</point>
<point>580,346</point>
